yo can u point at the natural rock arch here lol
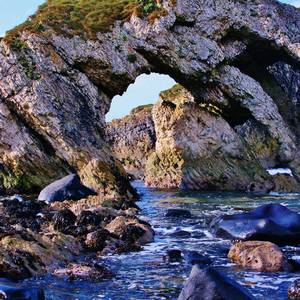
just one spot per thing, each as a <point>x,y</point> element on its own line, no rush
<point>57,88</point>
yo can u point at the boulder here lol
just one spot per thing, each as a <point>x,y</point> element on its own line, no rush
<point>178,213</point>
<point>195,258</point>
<point>285,183</point>
<point>67,188</point>
<point>95,241</point>
<point>7,291</point>
<point>83,271</point>
<point>271,222</point>
<point>210,284</point>
<point>131,230</point>
<point>180,234</point>
<point>259,256</point>
<point>173,255</point>
<point>294,290</point>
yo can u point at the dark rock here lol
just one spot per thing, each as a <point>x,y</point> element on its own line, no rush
<point>178,213</point>
<point>131,230</point>
<point>7,291</point>
<point>294,290</point>
<point>89,218</point>
<point>210,284</point>
<point>173,255</point>
<point>271,222</point>
<point>67,188</point>
<point>181,234</point>
<point>194,257</point>
<point>95,241</point>
<point>63,220</point>
<point>21,294</point>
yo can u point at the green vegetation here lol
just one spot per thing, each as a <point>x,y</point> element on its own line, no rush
<point>29,68</point>
<point>140,108</point>
<point>78,17</point>
<point>131,57</point>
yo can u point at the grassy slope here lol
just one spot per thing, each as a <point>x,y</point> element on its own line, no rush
<point>85,16</point>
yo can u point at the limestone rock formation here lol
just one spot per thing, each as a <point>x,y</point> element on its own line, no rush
<point>197,149</point>
<point>57,81</point>
<point>132,139</point>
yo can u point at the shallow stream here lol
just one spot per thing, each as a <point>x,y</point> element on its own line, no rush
<point>145,275</point>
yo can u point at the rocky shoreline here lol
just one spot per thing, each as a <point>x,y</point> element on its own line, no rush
<point>228,125</point>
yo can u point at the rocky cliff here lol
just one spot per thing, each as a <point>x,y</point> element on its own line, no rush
<point>132,139</point>
<point>196,148</point>
<point>58,75</point>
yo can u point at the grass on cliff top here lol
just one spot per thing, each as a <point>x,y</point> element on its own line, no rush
<point>172,93</point>
<point>141,108</point>
<point>86,16</point>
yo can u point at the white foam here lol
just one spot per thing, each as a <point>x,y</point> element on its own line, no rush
<point>276,171</point>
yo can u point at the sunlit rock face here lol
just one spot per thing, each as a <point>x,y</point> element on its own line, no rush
<point>60,86</point>
<point>197,149</point>
<point>132,139</point>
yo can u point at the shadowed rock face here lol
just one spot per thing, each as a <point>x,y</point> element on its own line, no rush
<point>60,87</point>
<point>132,139</point>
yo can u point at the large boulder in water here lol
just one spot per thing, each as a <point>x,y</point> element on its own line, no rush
<point>210,284</point>
<point>67,188</point>
<point>259,256</point>
<point>271,222</point>
<point>7,291</point>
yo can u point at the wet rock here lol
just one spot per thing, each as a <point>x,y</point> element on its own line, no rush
<point>294,290</point>
<point>63,220</point>
<point>7,291</point>
<point>272,222</point>
<point>210,284</point>
<point>180,234</point>
<point>67,188</point>
<point>178,213</point>
<point>22,212</point>
<point>131,230</point>
<point>285,183</point>
<point>89,218</point>
<point>173,255</point>
<point>18,264</point>
<point>95,241</point>
<point>195,258</point>
<point>84,271</point>
<point>258,256</point>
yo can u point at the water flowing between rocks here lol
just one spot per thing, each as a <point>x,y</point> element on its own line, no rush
<point>145,274</point>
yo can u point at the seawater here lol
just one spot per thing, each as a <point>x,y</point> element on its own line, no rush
<point>145,275</point>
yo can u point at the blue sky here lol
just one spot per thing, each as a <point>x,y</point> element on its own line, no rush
<point>146,88</point>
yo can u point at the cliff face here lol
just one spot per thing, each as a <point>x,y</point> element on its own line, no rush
<point>56,86</point>
<point>132,139</point>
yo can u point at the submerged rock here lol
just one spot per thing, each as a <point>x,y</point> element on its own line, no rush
<point>294,290</point>
<point>67,188</point>
<point>271,222</point>
<point>178,213</point>
<point>7,291</point>
<point>173,255</point>
<point>210,284</point>
<point>258,256</point>
<point>83,271</point>
<point>195,258</point>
